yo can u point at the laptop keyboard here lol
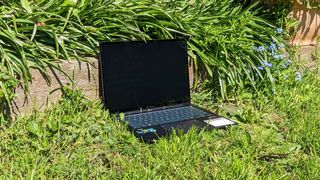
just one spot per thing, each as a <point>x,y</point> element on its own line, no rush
<point>164,116</point>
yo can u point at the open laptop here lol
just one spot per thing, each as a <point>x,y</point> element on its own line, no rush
<point>149,83</point>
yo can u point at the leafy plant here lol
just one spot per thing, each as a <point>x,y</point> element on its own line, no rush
<point>38,34</point>
<point>311,4</point>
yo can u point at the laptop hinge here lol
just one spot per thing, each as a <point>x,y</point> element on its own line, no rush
<point>149,109</point>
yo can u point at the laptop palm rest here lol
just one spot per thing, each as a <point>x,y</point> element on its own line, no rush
<point>184,125</point>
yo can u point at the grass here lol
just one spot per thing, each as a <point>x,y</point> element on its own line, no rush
<point>277,138</point>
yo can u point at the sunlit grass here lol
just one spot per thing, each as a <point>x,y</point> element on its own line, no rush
<point>277,138</point>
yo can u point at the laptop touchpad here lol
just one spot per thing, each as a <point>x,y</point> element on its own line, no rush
<point>219,122</point>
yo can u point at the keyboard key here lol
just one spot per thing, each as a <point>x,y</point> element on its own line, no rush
<point>164,116</point>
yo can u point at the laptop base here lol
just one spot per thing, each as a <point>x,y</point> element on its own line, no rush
<point>152,133</point>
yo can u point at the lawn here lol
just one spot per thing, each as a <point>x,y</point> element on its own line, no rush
<point>277,138</point>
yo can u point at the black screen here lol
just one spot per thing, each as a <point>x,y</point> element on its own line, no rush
<point>142,74</point>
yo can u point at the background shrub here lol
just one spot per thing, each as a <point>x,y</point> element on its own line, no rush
<point>221,36</point>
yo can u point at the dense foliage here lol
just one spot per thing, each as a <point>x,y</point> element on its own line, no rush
<point>311,4</point>
<point>221,36</point>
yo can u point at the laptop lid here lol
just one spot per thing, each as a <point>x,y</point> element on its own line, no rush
<point>139,74</point>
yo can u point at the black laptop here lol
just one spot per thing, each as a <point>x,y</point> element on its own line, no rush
<point>148,81</point>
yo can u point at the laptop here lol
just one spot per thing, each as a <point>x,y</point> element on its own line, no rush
<point>148,83</point>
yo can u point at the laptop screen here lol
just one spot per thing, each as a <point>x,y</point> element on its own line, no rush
<point>143,75</point>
